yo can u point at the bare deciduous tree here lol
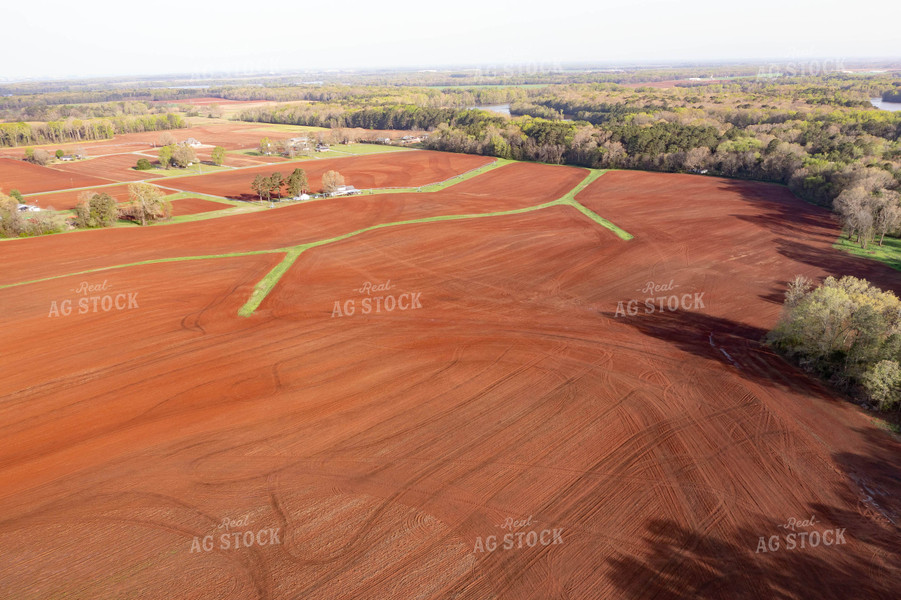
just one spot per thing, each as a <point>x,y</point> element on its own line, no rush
<point>331,181</point>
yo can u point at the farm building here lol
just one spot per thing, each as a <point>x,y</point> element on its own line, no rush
<point>345,190</point>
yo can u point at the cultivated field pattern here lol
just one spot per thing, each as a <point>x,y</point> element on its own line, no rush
<point>361,397</point>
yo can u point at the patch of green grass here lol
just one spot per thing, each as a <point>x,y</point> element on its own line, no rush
<point>182,195</point>
<point>364,148</point>
<point>265,285</point>
<point>436,187</point>
<point>570,200</point>
<point>145,262</point>
<point>883,423</point>
<point>195,169</point>
<point>889,253</point>
<point>246,152</point>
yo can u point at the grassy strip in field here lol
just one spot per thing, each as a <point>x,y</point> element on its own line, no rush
<point>363,148</point>
<point>230,207</point>
<point>219,199</point>
<point>76,189</point>
<point>268,283</point>
<point>889,253</point>
<point>152,261</point>
<point>570,200</point>
<point>194,170</point>
<point>265,286</point>
<point>437,187</point>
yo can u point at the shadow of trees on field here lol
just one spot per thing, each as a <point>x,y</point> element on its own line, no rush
<point>736,346</point>
<point>838,263</point>
<point>877,473</point>
<point>798,227</point>
<point>680,563</point>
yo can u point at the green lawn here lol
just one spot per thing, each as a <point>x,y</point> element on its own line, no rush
<point>196,169</point>
<point>367,148</point>
<point>889,253</point>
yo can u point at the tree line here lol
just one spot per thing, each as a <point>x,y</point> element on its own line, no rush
<point>146,204</point>
<point>76,130</point>
<point>846,331</point>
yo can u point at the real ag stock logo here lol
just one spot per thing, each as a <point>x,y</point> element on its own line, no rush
<point>371,303</point>
<point>234,540</point>
<point>91,300</point>
<point>800,537</point>
<point>520,539</point>
<point>652,304</point>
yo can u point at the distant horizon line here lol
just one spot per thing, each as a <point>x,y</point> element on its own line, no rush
<point>501,68</point>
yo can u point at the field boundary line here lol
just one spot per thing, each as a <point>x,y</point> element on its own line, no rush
<point>268,283</point>
<point>570,200</point>
<point>144,262</point>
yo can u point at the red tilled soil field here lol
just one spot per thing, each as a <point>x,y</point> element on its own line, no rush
<point>101,148</point>
<point>117,167</point>
<point>494,430</point>
<point>238,160</point>
<point>30,179</point>
<point>68,200</point>
<point>193,206</point>
<point>284,226</point>
<point>401,169</point>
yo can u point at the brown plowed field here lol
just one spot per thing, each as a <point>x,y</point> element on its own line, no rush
<point>30,179</point>
<point>383,449</point>
<point>401,169</point>
<point>193,206</point>
<point>117,167</point>
<point>101,148</point>
<point>68,200</point>
<point>236,160</point>
<point>285,226</point>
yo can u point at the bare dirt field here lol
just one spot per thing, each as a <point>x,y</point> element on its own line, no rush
<point>117,167</point>
<point>29,178</point>
<point>68,199</point>
<point>330,447</point>
<point>193,206</point>
<point>401,169</point>
<point>284,226</point>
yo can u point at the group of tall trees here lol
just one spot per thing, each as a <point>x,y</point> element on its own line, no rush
<point>146,204</point>
<point>173,154</point>
<point>95,210</point>
<point>294,184</point>
<point>77,130</point>
<point>868,215</point>
<point>846,331</point>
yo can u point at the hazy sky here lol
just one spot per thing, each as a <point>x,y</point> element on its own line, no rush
<point>74,38</point>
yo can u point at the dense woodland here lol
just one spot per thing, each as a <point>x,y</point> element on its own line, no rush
<point>846,331</point>
<point>819,135</point>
